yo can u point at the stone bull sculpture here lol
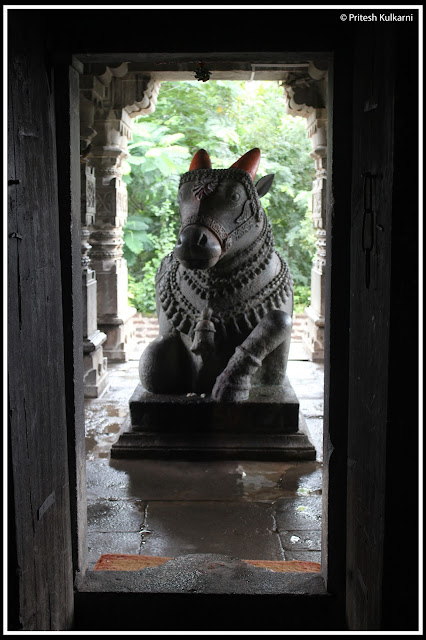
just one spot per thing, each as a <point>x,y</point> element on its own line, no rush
<point>224,296</point>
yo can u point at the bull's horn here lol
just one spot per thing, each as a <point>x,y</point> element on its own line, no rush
<point>248,162</point>
<point>201,160</point>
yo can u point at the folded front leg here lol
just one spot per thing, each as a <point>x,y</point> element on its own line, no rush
<point>234,383</point>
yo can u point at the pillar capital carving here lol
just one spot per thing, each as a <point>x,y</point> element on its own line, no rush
<point>105,73</point>
<point>136,92</point>
<point>91,97</point>
<point>305,91</point>
<point>110,98</point>
<point>112,120</point>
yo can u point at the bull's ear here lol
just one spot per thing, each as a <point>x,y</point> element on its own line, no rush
<point>201,160</point>
<point>264,184</point>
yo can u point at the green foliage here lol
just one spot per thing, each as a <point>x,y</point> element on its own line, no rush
<point>302,297</point>
<point>227,119</point>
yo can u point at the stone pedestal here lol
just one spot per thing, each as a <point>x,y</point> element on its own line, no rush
<point>264,427</point>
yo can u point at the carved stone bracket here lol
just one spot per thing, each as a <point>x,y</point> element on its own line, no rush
<point>305,91</point>
<point>92,93</point>
<point>134,91</point>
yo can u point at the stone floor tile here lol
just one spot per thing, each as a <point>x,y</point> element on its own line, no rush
<point>245,531</point>
<point>310,374</point>
<point>303,479</point>
<point>262,481</point>
<point>103,480</point>
<point>297,351</point>
<point>312,407</point>
<point>103,421</point>
<point>304,556</point>
<point>247,481</point>
<point>112,542</point>
<point>301,540</point>
<point>120,392</point>
<point>302,513</point>
<point>116,515</point>
<point>306,389</point>
<point>315,428</point>
<point>215,507</point>
<point>181,480</point>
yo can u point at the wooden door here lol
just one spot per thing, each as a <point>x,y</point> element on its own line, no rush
<point>40,560</point>
<point>370,290</point>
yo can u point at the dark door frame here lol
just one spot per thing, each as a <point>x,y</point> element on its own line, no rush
<point>290,605</point>
<point>330,590</point>
<point>323,607</point>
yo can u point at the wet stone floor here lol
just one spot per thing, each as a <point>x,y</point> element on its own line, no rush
<point>246,509</point>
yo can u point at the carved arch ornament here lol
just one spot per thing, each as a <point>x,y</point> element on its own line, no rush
<point>111,97</point>
<point>114,95</point>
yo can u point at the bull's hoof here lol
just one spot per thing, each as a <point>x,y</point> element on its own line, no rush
<point>224,391</point>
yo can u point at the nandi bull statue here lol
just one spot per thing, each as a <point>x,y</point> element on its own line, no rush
<point>224,296</point>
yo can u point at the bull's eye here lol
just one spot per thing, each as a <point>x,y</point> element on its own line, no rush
<point>235,196</point>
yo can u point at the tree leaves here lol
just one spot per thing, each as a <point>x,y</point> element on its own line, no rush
<point>137,237</point>
<point>227,119</point>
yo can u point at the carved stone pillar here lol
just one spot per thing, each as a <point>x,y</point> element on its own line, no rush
<point>108,150</point>
<point>313,338</point>
<point>306,94</point>
<point>95,363</point>
<point>124,97</point>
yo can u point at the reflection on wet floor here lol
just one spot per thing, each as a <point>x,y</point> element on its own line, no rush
<point>248,509</point>
<point>104,421</point>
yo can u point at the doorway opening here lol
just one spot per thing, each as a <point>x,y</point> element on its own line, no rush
<point>140,511</point>
<point>203,492</point>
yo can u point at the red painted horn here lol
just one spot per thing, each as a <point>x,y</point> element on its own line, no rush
<point>248,162</point>
<point>201,160</point>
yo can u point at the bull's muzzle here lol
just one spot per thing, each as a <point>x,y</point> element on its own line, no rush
<point>197,247</point>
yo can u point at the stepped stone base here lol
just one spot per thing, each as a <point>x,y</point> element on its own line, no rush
<point>121,337</point>
<point>313,337</point>
<point>264,427</point>
<point>95,365</point>
<point>95,374</point>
